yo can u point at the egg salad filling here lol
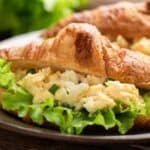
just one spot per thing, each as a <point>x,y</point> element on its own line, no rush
<point>140,44</point>
<point>79,91</point>
<point>70,100</point>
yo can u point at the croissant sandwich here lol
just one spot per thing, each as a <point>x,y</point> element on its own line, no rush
<point>131,20</point>
<point>75,80</point>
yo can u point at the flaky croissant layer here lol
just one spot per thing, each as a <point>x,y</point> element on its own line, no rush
<point>82,48</point>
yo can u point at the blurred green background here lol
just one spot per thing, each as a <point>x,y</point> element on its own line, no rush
<point>19,16</point>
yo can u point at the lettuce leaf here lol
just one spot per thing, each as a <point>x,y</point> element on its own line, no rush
<point>60,116</point>
<point>6,76</point>
<point>12,100</point>
<point>125,121</point>
<point>74,122</point>
<point>14,96</point>
<point>147,102</point>
<point>36,111</point>
<point>68,120</point>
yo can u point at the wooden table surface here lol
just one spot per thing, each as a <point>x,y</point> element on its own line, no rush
<point>14,141</point>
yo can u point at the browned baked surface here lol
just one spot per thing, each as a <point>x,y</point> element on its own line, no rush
<point>131,20</point>
<point>82,48</point>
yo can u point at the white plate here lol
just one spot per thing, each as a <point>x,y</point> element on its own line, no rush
<point>21,40</point>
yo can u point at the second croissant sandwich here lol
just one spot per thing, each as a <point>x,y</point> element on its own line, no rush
<point>131,20</point>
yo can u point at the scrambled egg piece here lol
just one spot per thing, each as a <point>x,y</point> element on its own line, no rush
<point>122,42</point>
<point>101,101</point>
<point>79,91</point>
<point>19,74</point>
<point>141,45</point>
<point>122,92</point>
<point>36,84</point>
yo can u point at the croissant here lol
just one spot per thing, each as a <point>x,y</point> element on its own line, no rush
<point>131,20</point>
<point>82,48</point>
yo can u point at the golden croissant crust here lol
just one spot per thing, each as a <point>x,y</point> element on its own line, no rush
<point>82,48</point>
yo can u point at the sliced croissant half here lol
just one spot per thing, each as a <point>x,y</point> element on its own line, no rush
<point>82,48</point>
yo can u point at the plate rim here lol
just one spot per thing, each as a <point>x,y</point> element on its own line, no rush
<point>32,130</point>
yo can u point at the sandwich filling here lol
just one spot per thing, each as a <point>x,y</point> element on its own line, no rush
<point>70,100</point>
<point>140,44</point>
